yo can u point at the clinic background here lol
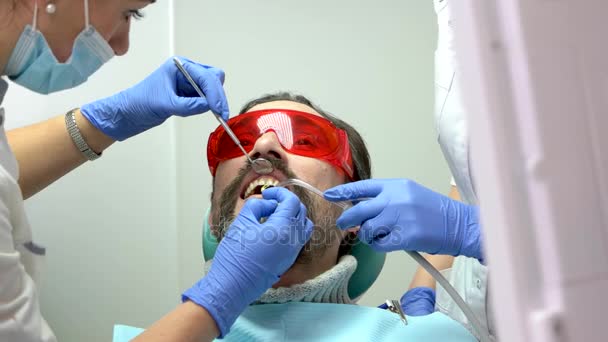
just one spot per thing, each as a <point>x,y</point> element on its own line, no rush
<point>123,237</point>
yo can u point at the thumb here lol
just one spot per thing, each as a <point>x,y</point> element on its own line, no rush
<point>258,208</point>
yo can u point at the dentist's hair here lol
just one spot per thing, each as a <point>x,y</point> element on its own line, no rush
<point>361,159</point>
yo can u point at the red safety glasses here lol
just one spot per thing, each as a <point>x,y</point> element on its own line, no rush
<point>299,133</point>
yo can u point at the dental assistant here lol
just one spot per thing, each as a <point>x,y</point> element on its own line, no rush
<point>48,46</point>
<point>404,215</point>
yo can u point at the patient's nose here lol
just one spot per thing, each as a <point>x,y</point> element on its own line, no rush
<point>268,145</point>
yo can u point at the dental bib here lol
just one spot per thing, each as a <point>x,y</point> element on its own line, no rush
<point>308,312</point>
<point>331,322</point>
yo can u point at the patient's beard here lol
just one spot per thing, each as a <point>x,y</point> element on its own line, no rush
<point>319,211</point>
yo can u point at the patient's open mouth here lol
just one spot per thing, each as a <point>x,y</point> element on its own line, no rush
<point>258,185</point>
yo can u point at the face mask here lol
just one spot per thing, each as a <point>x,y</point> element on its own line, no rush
<point>33,65</point>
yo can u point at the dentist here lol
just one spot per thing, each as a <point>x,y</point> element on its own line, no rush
<point>48,46</point>
<point>404,215</point>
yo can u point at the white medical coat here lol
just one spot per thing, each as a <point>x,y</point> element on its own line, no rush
<point>20,318</point>
<point>467,275</point>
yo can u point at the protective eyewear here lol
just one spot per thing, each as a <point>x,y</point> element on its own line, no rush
<point>299,133</point>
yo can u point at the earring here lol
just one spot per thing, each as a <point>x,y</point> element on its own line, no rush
<point>51,8</point>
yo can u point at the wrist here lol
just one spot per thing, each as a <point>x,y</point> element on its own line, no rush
<point>197,315</point>
<point>472,244</point>
<point>418,301</point>
<point>210,297</point>
<point>95,138</point>
<point>223,302</point>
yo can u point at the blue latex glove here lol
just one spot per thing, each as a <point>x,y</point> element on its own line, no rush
<point>419,301</point>
<point>403,215</point>
<point>252,256</point>
<point>164,93</point>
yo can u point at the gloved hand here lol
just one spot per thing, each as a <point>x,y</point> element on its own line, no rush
<point>419,301</point>
<point>252,256</point>
<point>403,215</point>
<point>164,93</point>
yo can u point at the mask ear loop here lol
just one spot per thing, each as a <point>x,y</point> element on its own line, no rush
<point>35,20</point>
<point>86,14</point>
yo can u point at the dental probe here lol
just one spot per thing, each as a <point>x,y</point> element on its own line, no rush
<point>260,165</point>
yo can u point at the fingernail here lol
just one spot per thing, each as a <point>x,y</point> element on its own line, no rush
<point>329,195</point>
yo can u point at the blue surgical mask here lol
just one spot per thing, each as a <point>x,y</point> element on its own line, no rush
<point>34,66</point>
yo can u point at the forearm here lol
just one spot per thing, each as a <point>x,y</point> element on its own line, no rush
<point>45,151</point>
<point>423,279</point>
<point>188,322</point>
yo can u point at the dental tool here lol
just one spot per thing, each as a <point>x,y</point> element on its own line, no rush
<point>298,182</point>
<point>394,306</point>
<point>293,181</point>
<point>261,166</point>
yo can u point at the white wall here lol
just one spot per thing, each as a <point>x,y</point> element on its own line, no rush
<point>109,227</point>
<point>369,62</point>
<point>123,237</point>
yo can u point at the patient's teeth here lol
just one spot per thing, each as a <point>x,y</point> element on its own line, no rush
<point>265,182</point>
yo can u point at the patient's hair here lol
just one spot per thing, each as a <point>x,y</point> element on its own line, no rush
<point>360,155</point>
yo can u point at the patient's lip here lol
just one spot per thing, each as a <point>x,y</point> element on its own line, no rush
<point>252,175</point>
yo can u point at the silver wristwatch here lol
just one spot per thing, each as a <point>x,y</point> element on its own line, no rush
<point>81,145</point>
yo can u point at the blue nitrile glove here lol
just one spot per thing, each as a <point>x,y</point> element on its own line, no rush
<point>252,256</point>
<point>164,93</point>
<point>419,301</point>
<point>403,215</point>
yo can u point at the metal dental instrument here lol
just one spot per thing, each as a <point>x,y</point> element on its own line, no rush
<point>260,165</point>
<point>298,182</point>
<point>293,181</point>
<point>303,184</point>
<point>394,306</point>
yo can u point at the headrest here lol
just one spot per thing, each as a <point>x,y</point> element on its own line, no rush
<point>369,262</point>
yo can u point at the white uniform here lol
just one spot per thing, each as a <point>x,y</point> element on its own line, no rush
<point>20,318</point>
<point>467,275</point>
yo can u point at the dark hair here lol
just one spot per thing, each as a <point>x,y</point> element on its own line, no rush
<point>360,155</point>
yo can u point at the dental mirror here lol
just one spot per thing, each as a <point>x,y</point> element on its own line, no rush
<point>262,166</point>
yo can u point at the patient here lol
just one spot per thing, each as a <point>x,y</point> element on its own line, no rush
<point>311,293</point>
<point>234,182</point>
